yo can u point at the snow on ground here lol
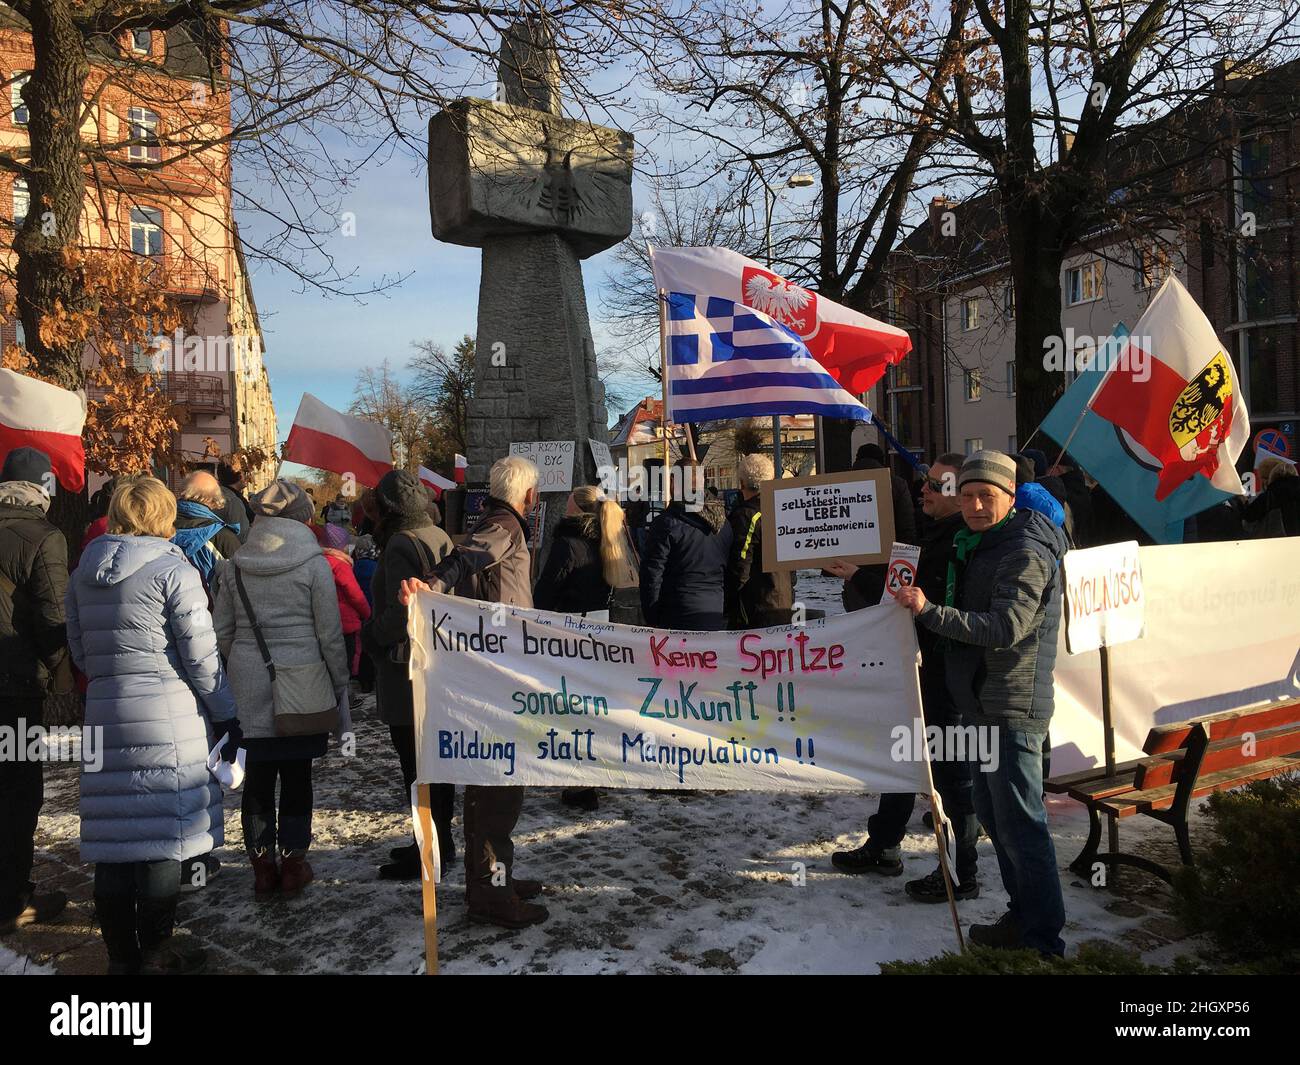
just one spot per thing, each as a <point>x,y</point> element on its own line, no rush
<point>652,882</point>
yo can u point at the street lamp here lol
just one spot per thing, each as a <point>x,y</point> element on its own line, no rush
<point>795,181</point>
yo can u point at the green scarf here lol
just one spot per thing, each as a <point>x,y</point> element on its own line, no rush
<point>964,545</point>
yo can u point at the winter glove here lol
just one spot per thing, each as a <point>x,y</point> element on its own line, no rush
<point>234,738</point>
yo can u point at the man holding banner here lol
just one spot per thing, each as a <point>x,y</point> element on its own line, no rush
<point>1000,617</point>
<point>494,565</point>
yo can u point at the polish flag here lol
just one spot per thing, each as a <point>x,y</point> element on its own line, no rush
<point>462,463</point>
<point>324,438</point>
<point>48,418</point>
<point>854,348</point>
<point>436,483</point>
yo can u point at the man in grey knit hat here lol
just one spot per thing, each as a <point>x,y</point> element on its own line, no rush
<point>999,622</point>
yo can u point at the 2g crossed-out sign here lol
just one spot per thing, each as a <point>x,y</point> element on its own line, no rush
<point>554,462</point>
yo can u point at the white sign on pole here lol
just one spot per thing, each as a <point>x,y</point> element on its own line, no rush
<point>1103,597</point>
<point>554,462</point>
<point>901,571</point>
<point>527,697</point>
<point>601,453</point>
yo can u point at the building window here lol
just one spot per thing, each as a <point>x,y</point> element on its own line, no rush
<point>22,201</point>
<point>903,401</point>
<point>1009,302</point>
<point>974,385</point>
<point>1256,163</point>
<point>141,41</point>
<point>20,335</point>
<point>974,444</point>
<point>1152,266</point>
<point>21,113</point>
<point>1011,378</point>
<point>146,231</point>
<point>144,128</point>
<point>970,313</point>
<point>1083,283</point>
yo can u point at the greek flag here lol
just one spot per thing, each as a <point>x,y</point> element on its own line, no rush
<point>727,360</point>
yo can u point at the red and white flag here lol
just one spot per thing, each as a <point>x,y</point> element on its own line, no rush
<point>328,440</point>
<point>436,483</point>
<point>854,348</point>
<point>48,418</point>
<point>462,463</point>
<point>1174,397</point>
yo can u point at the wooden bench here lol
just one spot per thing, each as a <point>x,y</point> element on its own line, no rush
<point>1182,762</point>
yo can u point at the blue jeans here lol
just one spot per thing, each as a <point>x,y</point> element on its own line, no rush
<point>1009,803</point>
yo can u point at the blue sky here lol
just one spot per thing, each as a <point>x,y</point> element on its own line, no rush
<point>317,344</point>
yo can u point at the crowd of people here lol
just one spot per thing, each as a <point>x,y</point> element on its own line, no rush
<point>207,622</point>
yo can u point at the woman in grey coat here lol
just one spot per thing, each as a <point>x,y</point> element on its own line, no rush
<point>291,589</point>
<point>139,628</point>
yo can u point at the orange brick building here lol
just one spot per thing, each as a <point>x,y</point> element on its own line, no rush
<point>165,195</point>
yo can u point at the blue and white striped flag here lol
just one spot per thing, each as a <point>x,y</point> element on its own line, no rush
<point>727,360</point>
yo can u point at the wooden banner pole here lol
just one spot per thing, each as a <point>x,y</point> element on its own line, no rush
<point>427,881</point>
<point>936,805</point>
<point>1108,730</point>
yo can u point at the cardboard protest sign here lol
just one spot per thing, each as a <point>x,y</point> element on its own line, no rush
<point>554,462</point>
<point>808,521</point>
<point>507,695</point>
<point>901,571</point>
<point>600,452</point>
<point>1104,603</point>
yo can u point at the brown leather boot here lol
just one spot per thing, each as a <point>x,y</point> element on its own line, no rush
<point>505,911</point>
<point>295,873</point>
<point>266,875</point>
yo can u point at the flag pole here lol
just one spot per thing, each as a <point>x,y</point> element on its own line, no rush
<point>666,481</point>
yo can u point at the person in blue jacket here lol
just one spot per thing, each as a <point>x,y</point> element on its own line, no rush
<point>139,628</point>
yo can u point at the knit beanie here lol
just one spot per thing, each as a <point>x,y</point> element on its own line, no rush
<point>402,493</point>
<point>990,467</point>
<point>283,499</point>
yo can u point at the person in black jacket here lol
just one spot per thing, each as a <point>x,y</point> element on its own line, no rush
<point>1276,509</point>
<point>887,827</point>
<point>754,597</point>
<point>587,556</point>
<point>683,570</point>
<point>33,649</point>
<point>586,563</point>
<point>410,545</point>
<point>869,584</point>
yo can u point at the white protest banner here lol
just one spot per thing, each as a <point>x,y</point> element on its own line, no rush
<point>1103,597</point>
<point>601,453</point>
<point>1222,633</point>
<point>554,462</point>
<point>507,695</point>
<point>811,520</point>
<point>901,571</point>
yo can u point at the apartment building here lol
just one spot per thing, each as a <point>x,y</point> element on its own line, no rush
<point>170,206</point>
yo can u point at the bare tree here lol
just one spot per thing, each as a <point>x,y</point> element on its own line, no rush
<point>380,396</point>
<point>753,97</point>
<point>1055,102</point>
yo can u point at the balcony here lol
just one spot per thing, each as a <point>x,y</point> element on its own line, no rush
<point>186,279</point>
<point>198,394</point>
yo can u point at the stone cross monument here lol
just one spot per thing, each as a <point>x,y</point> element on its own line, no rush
<point>538,193</point>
